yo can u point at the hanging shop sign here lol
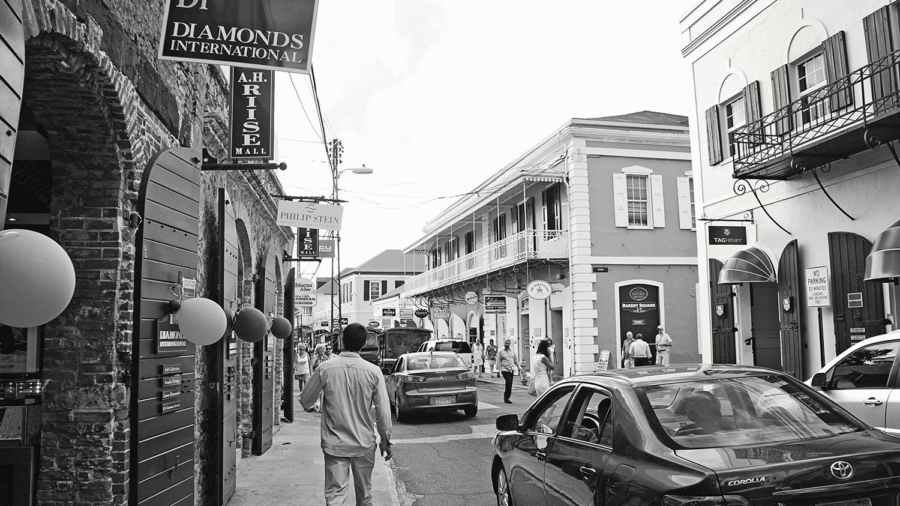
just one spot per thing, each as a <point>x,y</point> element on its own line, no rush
<point>817,288</point>
<point>440,312</point>
<point>421,313</point>
<point>309,214</point>
<point>727,235</point>
<point>388,311</point>
<point>307,242</point>
<point>326,248</point>
<point>539,289</point>
<point>169,338</point>
<point>406,313</point>
<point>494,305</point>
<point>471,298</point>
<point>262,34</point>
<point>252,121</point>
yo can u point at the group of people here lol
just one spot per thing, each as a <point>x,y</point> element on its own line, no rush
<point>485,359</point>
<point>305,364</point>
<point>636,352</point>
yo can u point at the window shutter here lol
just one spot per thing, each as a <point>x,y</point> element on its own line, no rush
<point>877,27</point>
<point>684,204</point>
<point>383,287</point>
<point>781,92</point>
<point>713,135</point>
<point>835,52</point>
<point>366,290</point>
<point>659,207</point>
<point>620,200</point>
<point>751,102</point>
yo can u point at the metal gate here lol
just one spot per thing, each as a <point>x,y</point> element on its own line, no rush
<point>264,353</point>
<point>721,300</point>
<point>162,401</point>
<point>858,306</point>
<point>789,293</point>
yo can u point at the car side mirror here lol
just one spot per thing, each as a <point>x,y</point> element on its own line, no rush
<point>508,422</point>
<point>819,380</point>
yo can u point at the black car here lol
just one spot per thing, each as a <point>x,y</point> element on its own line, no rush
<point>691,435</point>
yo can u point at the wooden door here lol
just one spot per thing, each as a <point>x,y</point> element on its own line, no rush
<point>224,352</point>
<point>288,349</point>
<point>789,294</point>
<point>264,352</point>
<point>848,253</point>
<point>765,327</point>
<point>12,79</point>
<point>162,403</point>
<point>721,300</point>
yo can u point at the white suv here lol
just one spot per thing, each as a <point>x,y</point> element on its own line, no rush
<point>461,348</point>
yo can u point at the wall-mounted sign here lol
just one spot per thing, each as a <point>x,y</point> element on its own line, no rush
<point>304,294</point>
<point>307,242</point>
<point>267,34</point>
<point>252,131</point>
<point>727,235</point>
<point>539,289</point>
<point>599,268</point>
<point>406,313</point>
<point>323,323</point>
<point>308,214</point>
<point>169,338</point>
<point>818,289</point>
<point>440,312</point>
<point>326,248</point>
<point>388,311</point>
<point>421,313</point>
<point>494,304</point>
<point>374,324</point>
<point>188,288</point>
<point>471,298</point>
<point>854,300</point>
<point>308,299</point>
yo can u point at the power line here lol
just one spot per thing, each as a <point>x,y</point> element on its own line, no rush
<point>294,85</point>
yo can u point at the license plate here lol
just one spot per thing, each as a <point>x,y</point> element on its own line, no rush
<point>442,400</point>
<point>852,502</point>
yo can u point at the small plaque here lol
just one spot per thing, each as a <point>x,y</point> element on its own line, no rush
<point>168,407</point>
<point>167,369</point>
<point>170,381</point>
<point>169,394</point>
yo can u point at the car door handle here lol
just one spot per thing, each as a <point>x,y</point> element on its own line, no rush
<point>872,402</point>
<point>587,471</point>
<point>540,456</point>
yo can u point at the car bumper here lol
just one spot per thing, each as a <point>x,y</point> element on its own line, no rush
<point>440,399</point>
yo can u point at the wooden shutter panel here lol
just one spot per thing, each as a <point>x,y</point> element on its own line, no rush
<point>365,290</point>
<point>877,27</point>
<point>12,78</point>
<point>684,204</point>
<point>714,135</point>
<point>781,92</point>
<point>835,52</point>
<point>751,102</point>
<point>620,201</point>
<point>659,206</point>
<point>383,287</point>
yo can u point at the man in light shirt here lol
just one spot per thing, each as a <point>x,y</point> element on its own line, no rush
<point>640,351</point>
<point>351,386</point>
<point>663,345</point>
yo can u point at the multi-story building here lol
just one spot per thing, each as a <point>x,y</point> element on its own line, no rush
<point>794,111</point>
<point>581,239</point>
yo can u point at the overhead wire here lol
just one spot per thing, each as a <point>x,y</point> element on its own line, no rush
<point>297,93</point>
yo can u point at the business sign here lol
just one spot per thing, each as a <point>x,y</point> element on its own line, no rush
<point>262,34</point>
<point>169,338</point>
<point>388,311</point>
<point>309,215</point>
<point>854,300</point>
<point>539,289</point>
<point>306,299</point>
<point>326,248</point>
<point>471,298</point>
<point>727,235</point>
<point>440,312</point>
<point>818,289</point>
<point>406,313</point>
<point>307,242</point>
<point>252,121</point>
<point>494,305</point>
<point>421,313</point>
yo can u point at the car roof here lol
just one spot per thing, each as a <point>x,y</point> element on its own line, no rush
<point>645,376</point>
<point>429,354</point>
<point>890,336</point>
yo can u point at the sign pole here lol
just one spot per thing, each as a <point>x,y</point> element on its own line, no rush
<point>821,338</point>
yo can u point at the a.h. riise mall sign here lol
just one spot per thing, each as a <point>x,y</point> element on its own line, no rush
<point>263,34</point>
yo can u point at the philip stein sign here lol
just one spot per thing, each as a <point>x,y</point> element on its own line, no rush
<point>262,34</point>
<point>309,215</point>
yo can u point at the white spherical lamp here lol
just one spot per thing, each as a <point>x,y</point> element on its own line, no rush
<point>201,321</point>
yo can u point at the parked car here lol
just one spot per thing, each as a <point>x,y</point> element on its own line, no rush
<point>864,381</point>
<point>396,341</point>
<point>429,381</point>
<point>455,345</point>
<point>683,435</point>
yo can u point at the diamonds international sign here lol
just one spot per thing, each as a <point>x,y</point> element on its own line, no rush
<point>263,34</point>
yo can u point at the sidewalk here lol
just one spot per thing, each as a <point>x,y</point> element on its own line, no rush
<point>292,471</point>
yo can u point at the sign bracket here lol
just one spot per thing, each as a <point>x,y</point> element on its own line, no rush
<point>303,198</point>
<point>212,163</point>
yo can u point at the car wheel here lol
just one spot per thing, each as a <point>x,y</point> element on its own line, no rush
<point>504,498</point>
<point>470,411</point>
<point>402,416</point>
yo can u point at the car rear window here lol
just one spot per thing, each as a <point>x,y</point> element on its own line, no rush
<point>457,346</point>
<point>428,362</point>
<point>741,411</point>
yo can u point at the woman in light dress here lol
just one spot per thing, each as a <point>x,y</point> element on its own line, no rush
<point>478,357</point>
<point>301,366</point>
<point>542,368</point>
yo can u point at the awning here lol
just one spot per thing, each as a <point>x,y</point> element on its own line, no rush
<point>755,264</point>
<point>883,262</point>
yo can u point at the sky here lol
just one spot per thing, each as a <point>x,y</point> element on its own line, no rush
<point>437,95</point>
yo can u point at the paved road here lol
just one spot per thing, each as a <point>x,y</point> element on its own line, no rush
<point>444,459</point>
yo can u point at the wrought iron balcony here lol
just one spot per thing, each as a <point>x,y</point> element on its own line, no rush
<point>516,249</point>
<point>850,115</point>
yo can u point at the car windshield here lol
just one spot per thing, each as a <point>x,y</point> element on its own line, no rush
<point>740,411</point>
<point>457,346</point>
<point>431,362</point>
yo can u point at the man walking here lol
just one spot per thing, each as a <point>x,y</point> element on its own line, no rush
<point>627,359</point>
<point>640,351</point>
<point>663,345</point>
<point>351,387</point>
<point>508,367</point>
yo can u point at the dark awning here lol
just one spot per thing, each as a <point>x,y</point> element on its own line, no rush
<point>883,263</point>
<point>755,264</point>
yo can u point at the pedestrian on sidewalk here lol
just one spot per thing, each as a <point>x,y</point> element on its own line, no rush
<point>542,368</point>
<point>663,346</point>
<point>490,355</point>
<point>351,386</point>
<point>478,357</point>
<point>627,359</point>
<point>508,367</point>
<point>640,351</point>
<point>301,366</point>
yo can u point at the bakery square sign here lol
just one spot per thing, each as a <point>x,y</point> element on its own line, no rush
<point>263,34</point>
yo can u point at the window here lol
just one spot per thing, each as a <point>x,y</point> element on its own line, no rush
<point>693,208</point>
<point>811,77</point>
<point>638,198</point>
<point>638,195</point>
<point>453,249</point>
<point>398,283</point>
<point>590,419</point>
<point>731,117</point>
<point>867,367</point>
<point>499,228</point>
<point>436,257</point>
<point>551,212</point>
<point>545,419</point>
<point>735,117</point>
<point>374,290</point>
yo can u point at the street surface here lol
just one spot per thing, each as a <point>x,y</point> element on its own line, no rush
<point>444,459</point>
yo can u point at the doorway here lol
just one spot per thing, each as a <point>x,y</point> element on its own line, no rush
<point>556,335</point>
<point>765,325</point>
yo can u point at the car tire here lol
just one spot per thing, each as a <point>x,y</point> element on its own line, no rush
<point>402,416</point>
<point>470,411</point>
<point>504,497</point>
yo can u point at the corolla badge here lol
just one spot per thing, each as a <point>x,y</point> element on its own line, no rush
<point>841,470</point>
<point>746,481</point>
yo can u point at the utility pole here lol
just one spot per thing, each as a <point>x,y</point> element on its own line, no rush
<point>336,149</point>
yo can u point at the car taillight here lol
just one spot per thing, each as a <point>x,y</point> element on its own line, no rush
<point>466,375</point>
<point>411,378</point>
<point>713,500</point>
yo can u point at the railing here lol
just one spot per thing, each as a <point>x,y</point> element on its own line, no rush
<point>513,250</point>
<point>857,99</point>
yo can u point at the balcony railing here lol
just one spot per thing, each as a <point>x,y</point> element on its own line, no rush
<point>851,114</point>
<point>518,248</point>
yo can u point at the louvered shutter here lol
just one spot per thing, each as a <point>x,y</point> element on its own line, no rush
<point>383,287</point>
<point>659,206</point>
<point>781,93</point>
<point>684,204</point>
<point>365,290</point>
<point>713,135</point>
<point>12,78</point>
<point>835,52</point>
<point>620,200</point>
<point>877,27</point>
<point>754,113</point>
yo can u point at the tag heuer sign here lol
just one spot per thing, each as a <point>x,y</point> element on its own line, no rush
<point>727,235</point>
<point>539,289</point>
<point>421,313</point>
